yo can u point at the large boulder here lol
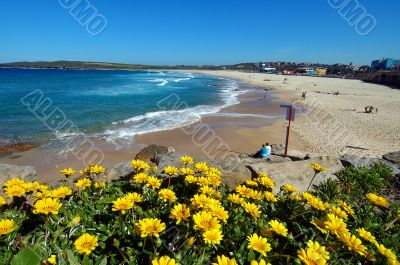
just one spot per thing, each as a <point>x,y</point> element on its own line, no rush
<point>7,171</point>
<point>298,173</point>
<point>355,161</point>
<point>118,171</point>
<point>393,157</point>
<point>150,152</point>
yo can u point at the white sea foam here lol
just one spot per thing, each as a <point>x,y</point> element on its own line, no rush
<point>160,81</point>
<point>171,119</point>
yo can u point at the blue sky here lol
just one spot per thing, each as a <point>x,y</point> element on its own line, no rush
<point>198,32</point>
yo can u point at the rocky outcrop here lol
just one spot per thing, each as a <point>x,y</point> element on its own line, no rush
<point>150,152</point>
<point>351,160</point>
<point>393,157</point>
<point>15,148</point>
<point>7,171</point>
<point>118,171</point>
<point>298,173</point>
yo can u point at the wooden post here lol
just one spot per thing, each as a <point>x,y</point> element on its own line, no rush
<point>288,130</point>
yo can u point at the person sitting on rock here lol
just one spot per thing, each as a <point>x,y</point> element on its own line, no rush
<point>262,153</point>
<point>269,149</point>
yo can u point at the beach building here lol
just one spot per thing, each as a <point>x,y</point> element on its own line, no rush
<point>321,71</point>
<point>386,64</point>
<point>266,68</point>
<point>307,71</point>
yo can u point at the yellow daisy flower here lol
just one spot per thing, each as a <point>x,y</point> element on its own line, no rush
<point>205,221</point>
<point>377,200</point>
<point>68,172</point>
<point>259,244</point>
<point>122,204</point>
<point>180,213</point>
<point>186,160</point>
<point>153,183</point>
<point>99,185</point>
<point>83,183</point>
<point>213,236</point>
<point>278,228</point>
<point>252,209</point>
<point>150,227</point>
<point>222,260</point>
<point>167,195</point>
<point>164,260</point>
<point>61,192</point>
<point>170,170</point>
<point>46,206</point>
<point>6,226</point>
<point>86,243</point>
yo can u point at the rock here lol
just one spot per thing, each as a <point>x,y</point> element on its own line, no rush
<point>246,160</point>
<point>277,159</point>
<point>150,152</point>
<point>14,148</point>
<point>393,157</point>
<point>296,155</point>
<point>298,173</point>
<point>278,149</point>
<point>351,160</point>
<point>171,159</point>
<point>7,171</point>
<point>118,171</point>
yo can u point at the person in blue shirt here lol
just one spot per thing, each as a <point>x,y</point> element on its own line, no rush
<point>262,153</point>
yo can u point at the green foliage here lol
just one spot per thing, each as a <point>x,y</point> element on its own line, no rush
<point>362,180</point>
<point>36,237</point>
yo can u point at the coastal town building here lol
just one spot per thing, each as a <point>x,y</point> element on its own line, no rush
<point>321,71</point>
<point>386,64</point>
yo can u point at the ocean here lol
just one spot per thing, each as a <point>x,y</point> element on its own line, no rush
<point>108,104</point>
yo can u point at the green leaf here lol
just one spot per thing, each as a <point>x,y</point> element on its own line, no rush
<point>104,261</point>
<point>27,256</point>
<point>71,258</point>
<point>86,260</point>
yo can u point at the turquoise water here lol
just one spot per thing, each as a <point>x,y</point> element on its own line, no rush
<point>109,104</point>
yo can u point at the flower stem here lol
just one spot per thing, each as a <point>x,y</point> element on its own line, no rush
<point>312,181</point>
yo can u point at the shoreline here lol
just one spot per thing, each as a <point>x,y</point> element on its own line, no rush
<point>333,125</point>
<point>251,121</point>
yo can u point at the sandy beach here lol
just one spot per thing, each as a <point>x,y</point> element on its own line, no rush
<point>335,124</point>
